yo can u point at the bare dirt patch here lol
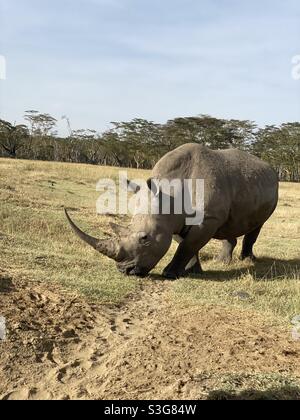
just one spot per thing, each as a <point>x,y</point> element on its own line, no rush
<point>61,347</point>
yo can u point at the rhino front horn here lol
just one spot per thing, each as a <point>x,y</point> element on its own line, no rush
<point>107,247</point>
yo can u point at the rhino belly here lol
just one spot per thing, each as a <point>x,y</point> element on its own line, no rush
<point>245,219</point>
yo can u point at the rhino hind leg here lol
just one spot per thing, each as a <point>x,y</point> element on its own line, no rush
<point>248,243</point>
<point>227,250</point>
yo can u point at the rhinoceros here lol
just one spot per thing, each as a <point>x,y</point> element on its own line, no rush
<point>240,195</point>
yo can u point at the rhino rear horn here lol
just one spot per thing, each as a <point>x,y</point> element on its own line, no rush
<point>107,247</point>
<point>118,230</point>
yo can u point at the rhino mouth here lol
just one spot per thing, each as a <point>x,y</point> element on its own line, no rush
<point>133,271</point>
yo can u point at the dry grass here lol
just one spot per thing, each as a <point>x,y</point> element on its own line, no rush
<point>35,239</point>
<point>37,243</point>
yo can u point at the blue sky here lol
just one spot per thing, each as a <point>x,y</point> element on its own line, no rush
<point>98,61</point>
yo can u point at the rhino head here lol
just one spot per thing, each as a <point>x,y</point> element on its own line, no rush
<point>138,248</point>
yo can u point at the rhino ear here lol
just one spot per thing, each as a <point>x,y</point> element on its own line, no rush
<point>133,187</point>
<point>153,186</point>
<point>118,230</point>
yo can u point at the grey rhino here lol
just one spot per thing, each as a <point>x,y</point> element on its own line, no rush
<point>240,195</point>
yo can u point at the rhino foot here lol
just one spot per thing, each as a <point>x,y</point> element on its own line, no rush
<point>173,275</point>
<point>196,269</point>
<point>170,274</point>
<point>250,257</point>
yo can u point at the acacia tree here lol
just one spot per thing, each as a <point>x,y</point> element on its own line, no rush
<point>42,125</point>
<point>280,146</point>
<point>239,134</point>
<point>12,137</point>
<point>42,130</point>
<point>84,143</point>
<point>212,132</point>
<point>140,137</point>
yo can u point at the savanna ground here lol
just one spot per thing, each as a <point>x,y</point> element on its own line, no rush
<point>78,329</point>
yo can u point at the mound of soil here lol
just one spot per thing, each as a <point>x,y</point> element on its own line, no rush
<point>59,346</point>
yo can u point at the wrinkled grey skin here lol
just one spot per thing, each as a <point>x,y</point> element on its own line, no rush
<point>241,193</point>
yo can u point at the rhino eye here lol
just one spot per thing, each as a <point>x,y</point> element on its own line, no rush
<point>143,237</point>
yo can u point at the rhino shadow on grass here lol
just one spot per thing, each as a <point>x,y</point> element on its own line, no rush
<point>266,269</point>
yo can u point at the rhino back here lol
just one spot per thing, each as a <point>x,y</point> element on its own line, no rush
<point>184,161</point>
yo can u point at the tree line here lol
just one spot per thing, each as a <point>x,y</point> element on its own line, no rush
<point>140,143</point>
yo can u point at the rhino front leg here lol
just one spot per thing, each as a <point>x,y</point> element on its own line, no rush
<point>196,239</point>
<point>194,265</point>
